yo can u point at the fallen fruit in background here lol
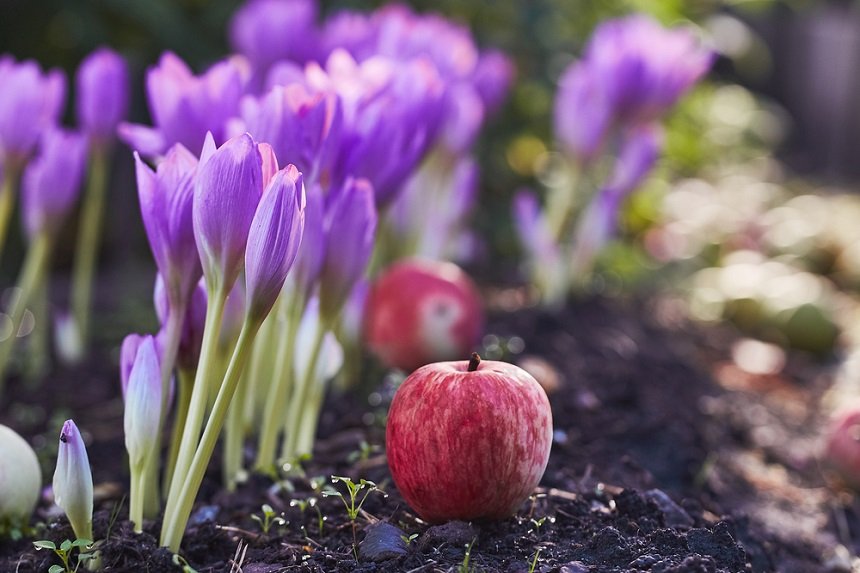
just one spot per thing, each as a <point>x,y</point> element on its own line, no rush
<point>842,447</point>
<point>20,478</point>
<point>469,439</point>
<point>421,311</point>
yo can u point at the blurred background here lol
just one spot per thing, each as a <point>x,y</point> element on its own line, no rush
<point>752,216</point>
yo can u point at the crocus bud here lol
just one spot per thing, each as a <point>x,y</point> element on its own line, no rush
<point>20,478</point>
<point>226,194</point>
<point>274,240</point>
<point>311,255</point>
<point>73,481</point>
<point>166,199</point>
<point>102,94</point>
<point>30,103</point>
<point>127,353</point>
<point>191,340</point>
<point>545,261</point>
<point>351,230</point>
<point>52,181</point>
<point>640,149</point>
<point>143,403</point>
<point>493,77</point>
<point>583,115</point>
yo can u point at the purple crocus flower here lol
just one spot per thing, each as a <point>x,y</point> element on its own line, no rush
<point>142,417</point>
<point>274,240</point>
<point>642,67</point>
<point>267,31</point>
<point>351,229</point>
<point>73,481</point>
<point>166,199</point>
<point>227,190</point>
<point>30,103</point>
<point>300,125</point>
<point>583,115</point>
<point>127,353</point>
<point>52,181</point>
<point>309,261</point>
<point>184,107</point>
<point>547,267</point>
<point>349,30</point>
<point>102,94</point>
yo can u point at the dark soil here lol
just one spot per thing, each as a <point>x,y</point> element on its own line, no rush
<point>667,458</point>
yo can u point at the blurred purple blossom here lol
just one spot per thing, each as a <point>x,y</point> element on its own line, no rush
<point>273,240</point>
<point>30,102</point>
<point>184,106</point>
<point>166,199</point>
<point>268,31</point>
<point>311,255</point>
<point>191,339</point>
<point>227,190</point>
<point>127,353</point>
<point>52,181</point>
<point>102,85</point>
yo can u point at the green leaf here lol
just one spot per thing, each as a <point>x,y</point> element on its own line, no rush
<point>65,545</point>
<point>267,509</point>
<point>82,542</point>
<point>56,569</point>
<point>45,544</point>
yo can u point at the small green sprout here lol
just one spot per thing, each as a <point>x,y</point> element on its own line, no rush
<point>464,567</point>
<point>64,552</point>
<point>311,502</point>
<point>362,454</point>
<point>180,561</point>
<point>408,539</point>
<point>534,561</point>
<point>353,490</point>
<point>269,519</point>
<point>538,523</point>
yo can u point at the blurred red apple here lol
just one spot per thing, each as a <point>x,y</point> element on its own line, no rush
<point>842,449</point>
<point>422,311</point>
<point>468,440</point>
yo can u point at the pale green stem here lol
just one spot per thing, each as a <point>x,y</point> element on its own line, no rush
<point>90,228</point>
<point>300,399</point>
<point>234,434</point>
<point>560,205</point>
<point>174,527</point>
<point>137,494</point>
<point>32,273</point>
<point>11,174</point>
<point>37,349</point>
<point>199,397</point>
<point>310,419</point>
<point>279,390</point>
<point>185,381</point>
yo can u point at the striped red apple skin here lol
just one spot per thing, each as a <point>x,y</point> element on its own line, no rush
<point>468,444</point>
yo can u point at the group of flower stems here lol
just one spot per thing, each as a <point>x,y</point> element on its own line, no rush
<point>46,166</point>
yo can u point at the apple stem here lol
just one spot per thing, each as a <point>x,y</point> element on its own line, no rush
<point>474,361</point>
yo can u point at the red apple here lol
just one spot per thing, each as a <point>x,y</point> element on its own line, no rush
<point>842,450</point>
<point>468,440</point>
<point>422,311</point>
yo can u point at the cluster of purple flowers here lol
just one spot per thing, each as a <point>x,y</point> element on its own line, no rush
<point>609,104</point>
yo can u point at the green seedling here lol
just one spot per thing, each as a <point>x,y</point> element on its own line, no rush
<point>353,491</point>
<point>538,523</point>
<point>465,567</point>
<point>311,502</point>
<point>408,539</point>
<point>180,561</point>
<point>352,509</point>
<point>534,561</point>
<point>64,553</point>
<point>268,519</point>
